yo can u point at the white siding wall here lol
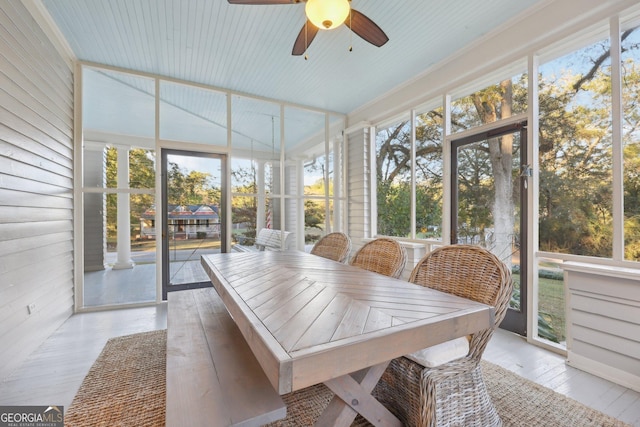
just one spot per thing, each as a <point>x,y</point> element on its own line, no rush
<point>36,198</point>
<point>291,205</point>
<point>603,321</point>
<point>95,239</point>
<point>358,187</point>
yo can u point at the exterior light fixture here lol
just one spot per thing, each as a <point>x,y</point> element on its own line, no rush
<point>327,14</point>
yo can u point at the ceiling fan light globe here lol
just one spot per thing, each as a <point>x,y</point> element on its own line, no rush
<point>327,14</point>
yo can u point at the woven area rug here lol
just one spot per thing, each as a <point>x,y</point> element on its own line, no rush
<point>126,387</point>
<point>523,403</point>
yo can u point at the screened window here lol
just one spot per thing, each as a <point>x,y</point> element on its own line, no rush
<point>575,197</point>
<point>493,103</point>
<point>631,141</point>
<point>393,172</point>
<point>429,137</point>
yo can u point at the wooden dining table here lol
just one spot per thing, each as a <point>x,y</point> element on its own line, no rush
<point>310,320</point>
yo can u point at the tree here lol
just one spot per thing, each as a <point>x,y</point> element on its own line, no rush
<point>393,147</point>
<point>184,187</point>
<point>631,139</point>
<point>575,157</point>
<point>141,175</point>
<point>492,104</point>
<point>244,208</point>
<point>313,214</point>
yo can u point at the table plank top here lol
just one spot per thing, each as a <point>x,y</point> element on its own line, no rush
<point>309,319</point>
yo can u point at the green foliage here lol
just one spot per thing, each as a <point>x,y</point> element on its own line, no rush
<point>394,209</point>
<point>632,198</point>
<point>575,164</point>
<point>575,147</point>
<point>393,172</point>
<point>546,325</point>
<point>546,328</point>
<point>190,187</point>
<point>244,211</point>
<point>551,274</point>
<point>184,187</point>
<point>141,175</point>
<point>576,161</point>
<point>244,208</point>
<point>428,210</point>
<point>314,214</point>
<point>476,193</point>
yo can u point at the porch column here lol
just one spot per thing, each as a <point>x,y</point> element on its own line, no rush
<point>124,226</point>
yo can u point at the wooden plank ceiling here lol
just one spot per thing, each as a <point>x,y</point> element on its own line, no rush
<point>247,48</point>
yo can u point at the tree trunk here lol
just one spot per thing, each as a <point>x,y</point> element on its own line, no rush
<point>501,150</point>
<point>501,156</point>
<point>503,209</point>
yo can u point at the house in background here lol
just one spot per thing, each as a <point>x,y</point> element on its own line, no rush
<point>63,98</point>
<point>185,222</point>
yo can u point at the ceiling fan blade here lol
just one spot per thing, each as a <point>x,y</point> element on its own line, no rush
<point>262,1</point>
<point>304,40</point>
<point>366,28</point>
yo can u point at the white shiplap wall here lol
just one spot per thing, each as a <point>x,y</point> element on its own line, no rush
<point>358,187</point>
<point>36,186</point>
<point>603,321</point>
<point>94,206</point>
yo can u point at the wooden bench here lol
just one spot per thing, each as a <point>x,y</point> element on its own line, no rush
<point>213,378</point>
<point>268,239</point>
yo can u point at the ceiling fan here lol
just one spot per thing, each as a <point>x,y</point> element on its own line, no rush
<point>326,15</point>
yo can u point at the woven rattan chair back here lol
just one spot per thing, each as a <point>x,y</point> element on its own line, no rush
<point>468,271</point>
<point>335,246</point>
<point>383,255</point>
<point>452,393</point>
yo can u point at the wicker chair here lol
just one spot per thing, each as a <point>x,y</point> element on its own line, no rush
<point>335,246</point>
<point>453,393</point>
<point>383,255</point>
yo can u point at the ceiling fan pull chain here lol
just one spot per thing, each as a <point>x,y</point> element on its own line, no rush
<point>306,45</point>
<point>350,33</point>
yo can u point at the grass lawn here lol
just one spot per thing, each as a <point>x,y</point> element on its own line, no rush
<point>551,304</point>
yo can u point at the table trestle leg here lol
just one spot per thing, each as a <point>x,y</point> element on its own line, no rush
<point>353,396</point>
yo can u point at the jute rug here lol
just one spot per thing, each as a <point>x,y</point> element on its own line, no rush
<point>126,387</point>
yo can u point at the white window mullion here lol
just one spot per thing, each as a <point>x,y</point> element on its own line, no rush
<point>158,191</point>
<point>616,136</point>
<point>228,196</point>
<point>283,215</point>
<point>373,181</point>
<point>532,197</point>
<point>413,175</point>
<point>446,170</point>
<point>327,149</point>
